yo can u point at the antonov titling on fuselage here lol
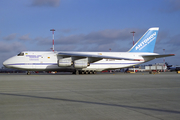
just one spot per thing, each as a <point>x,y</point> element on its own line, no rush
<point>80,62</point>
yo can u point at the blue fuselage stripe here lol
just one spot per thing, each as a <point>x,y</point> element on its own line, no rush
<point>57,64</point>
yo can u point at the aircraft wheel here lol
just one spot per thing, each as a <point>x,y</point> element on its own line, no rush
<point>77,72</point>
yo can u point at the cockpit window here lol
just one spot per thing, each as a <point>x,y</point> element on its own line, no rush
<point>20,54</point>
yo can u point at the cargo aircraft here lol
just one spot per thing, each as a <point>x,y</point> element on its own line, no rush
<point>87,62</point>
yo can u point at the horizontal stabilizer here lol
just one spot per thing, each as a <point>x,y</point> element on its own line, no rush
<point>157,56</point>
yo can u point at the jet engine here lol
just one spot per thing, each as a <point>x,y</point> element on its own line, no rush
<point>65,62</point>
<point>81,63</point>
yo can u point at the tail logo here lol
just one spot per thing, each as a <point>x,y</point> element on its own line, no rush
<point>146,41</point>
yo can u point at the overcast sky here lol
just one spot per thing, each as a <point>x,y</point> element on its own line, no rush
<point>87,25</point>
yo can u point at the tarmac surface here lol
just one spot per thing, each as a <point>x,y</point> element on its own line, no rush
<point>139,96</point>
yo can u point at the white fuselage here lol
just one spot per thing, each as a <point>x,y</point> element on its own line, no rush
<point>48,61</point>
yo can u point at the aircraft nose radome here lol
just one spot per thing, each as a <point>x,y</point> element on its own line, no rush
<point>5,63</point>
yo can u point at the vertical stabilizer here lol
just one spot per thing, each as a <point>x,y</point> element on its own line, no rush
<point>147,42</point>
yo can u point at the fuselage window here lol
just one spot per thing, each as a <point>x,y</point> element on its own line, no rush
<point>20,54</point>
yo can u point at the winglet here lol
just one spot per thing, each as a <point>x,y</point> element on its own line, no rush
<point>147,42</point>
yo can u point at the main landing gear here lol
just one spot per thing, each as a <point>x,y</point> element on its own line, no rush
<point>77,72</point>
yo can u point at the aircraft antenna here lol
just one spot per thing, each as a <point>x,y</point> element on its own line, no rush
<point>53,38</point>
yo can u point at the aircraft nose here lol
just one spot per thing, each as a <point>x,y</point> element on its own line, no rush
<point>6,63</point>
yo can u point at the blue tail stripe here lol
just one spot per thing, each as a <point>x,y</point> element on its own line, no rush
<point>147,42</point>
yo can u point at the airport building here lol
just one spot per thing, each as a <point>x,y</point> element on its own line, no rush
<point>151,67</point>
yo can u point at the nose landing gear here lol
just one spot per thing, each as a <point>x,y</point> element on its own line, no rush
<point>28,72</point>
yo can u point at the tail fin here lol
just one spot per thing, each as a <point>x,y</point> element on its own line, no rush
<point>168,66</point>
<point>147,42</point>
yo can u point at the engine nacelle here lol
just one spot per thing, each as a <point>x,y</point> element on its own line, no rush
<point>65,62</point>
<point>82,63</point>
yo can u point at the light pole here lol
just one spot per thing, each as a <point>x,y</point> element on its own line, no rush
<point>133,45</point>
<point>164,61</point>
<point>53,38</point>
<point>133,36</point>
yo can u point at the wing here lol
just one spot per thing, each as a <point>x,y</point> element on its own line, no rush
<point>91,57</point>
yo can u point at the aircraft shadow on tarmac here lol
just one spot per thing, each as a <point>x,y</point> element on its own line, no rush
<point>95,103</point>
